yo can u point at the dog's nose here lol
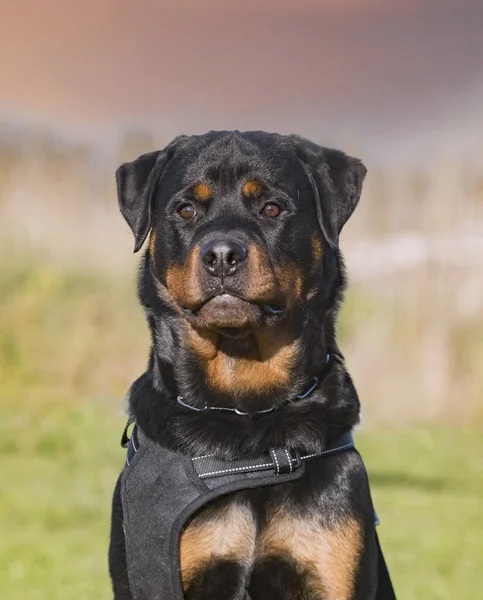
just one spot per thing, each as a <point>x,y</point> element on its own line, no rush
<point>222,257</point>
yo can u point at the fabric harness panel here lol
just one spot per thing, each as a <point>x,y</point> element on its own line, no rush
<point>161,489</point>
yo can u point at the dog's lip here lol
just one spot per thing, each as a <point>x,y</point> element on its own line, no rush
<point>198,306</point>
<point>273,309</point>
<point>225,297</point>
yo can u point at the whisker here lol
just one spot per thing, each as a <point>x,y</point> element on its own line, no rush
<point>310,313</point>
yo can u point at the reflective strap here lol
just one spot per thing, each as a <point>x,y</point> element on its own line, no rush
<point>279,460</point>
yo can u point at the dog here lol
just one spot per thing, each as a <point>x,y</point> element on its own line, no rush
<point>241,284</point>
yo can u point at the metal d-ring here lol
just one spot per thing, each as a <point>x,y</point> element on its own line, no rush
<point>259,412</point>
<point>315,383</point>
<point>310,390</point>
<point>180,401</point>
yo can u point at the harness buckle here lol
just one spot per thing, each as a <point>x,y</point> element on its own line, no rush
<point>297,459</point>
<point>285,461</point>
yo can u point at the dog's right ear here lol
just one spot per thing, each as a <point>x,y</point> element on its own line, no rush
<point>137,184</point>
<point>336,180</point>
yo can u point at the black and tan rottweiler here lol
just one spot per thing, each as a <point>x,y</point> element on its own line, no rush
<point>241,284</point>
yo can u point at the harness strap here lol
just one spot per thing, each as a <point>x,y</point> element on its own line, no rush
<point>279,460</point>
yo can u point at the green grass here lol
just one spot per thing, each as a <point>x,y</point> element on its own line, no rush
<point>69,346</point>
<point>58,473</point>
<point>428,491</point>
<point>59,469</point>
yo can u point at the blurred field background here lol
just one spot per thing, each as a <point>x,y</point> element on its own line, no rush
<point>86,87</point>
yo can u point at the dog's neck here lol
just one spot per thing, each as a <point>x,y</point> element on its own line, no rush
<point>306,424</point>
<point>268,368</point>
<point>251,373</point>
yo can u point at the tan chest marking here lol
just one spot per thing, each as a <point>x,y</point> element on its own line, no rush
<point>291,281</point>
<point>267,365</point>
<point>231,534</point>
<point>246,375</point>
<point>331,556</point>
<point>261,282</point>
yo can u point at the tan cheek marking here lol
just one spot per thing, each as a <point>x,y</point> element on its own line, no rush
<point>332,555</point>
<point>164,294</point>
<point>252,189</point>
<point>291,282</point>
<point>202,192</point>
<point>232,533</point>
<point>261,282</point>
<point>203,345</point>
<point>182,280</point>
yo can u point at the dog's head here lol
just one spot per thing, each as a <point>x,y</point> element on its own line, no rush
<point>239,222</point>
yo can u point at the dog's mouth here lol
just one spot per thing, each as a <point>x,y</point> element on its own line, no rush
<point>232,315</point>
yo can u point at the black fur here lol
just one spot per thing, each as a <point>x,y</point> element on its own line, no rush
<point>318,189</point>
<point>218,580</point>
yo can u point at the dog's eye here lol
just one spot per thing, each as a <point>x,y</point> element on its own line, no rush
<point>187,211</point>
<point>271,210</point>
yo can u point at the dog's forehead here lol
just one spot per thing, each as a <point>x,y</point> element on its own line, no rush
<point>230,156</point>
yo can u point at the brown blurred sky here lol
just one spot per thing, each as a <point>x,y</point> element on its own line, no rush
<point>362,67</point>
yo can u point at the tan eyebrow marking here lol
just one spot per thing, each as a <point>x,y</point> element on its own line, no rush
<point>202,192</point>
<point>252,188</point>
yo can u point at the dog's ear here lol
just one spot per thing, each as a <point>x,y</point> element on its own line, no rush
<point>336,180</point>
<point>137,184</point>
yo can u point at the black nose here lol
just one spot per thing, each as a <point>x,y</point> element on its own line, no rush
<point>222,257</point>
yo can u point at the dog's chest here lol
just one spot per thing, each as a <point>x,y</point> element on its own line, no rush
<point>249,535</point>
<point>192,526</point>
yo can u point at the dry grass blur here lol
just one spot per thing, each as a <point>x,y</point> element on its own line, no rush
<point>412,326</point>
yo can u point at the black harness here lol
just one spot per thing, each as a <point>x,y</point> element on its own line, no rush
<point>161,489</point>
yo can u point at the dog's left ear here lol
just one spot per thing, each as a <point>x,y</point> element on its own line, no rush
<point>336,180</point>
<point>137,184</point>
